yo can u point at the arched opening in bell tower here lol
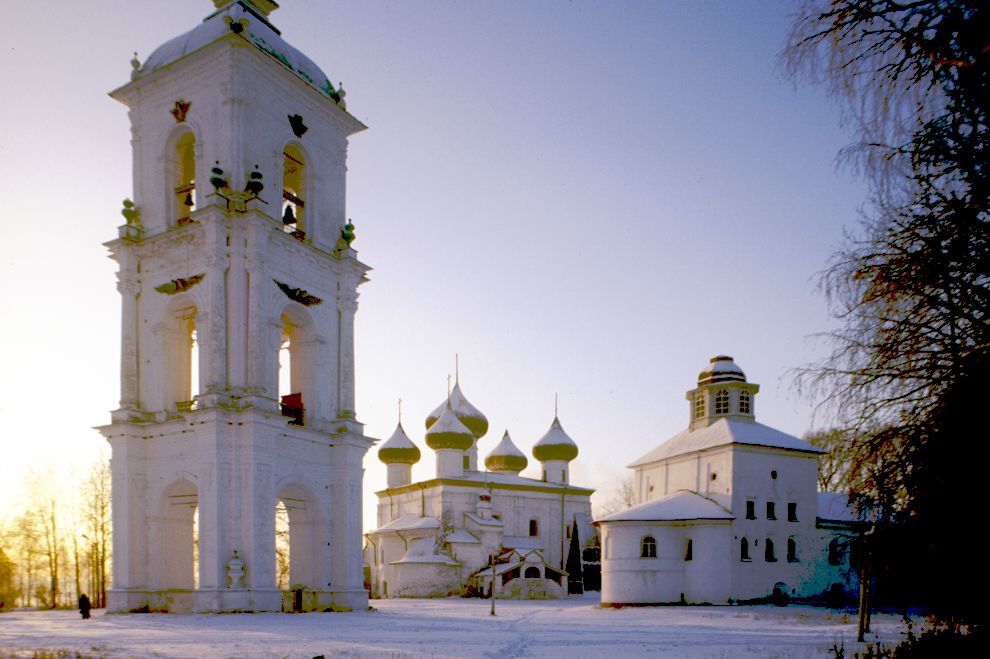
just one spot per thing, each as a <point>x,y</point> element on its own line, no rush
<point>181,355</point>
<point>182,177</point>
<point>294,538</point>
<point>294,363</point>
<point>294,192</point>
<point>177,537</point>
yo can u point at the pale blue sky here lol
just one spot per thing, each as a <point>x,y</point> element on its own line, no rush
<point>589,198</point>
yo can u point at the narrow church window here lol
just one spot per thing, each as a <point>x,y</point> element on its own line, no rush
<point>835,552</point>
<point>282,552</point>
<point>689,550</point>
<point>648,547</point>
<point>791,550</point>
<point>722,402</point>
<point>467,462</point>
<point>769,555</point>
<point>744,550</point>
<point>534,528</point>
<point>744,402</point>
<point>293,183</point>
<point>699,404</point>
<point>184,178</point>
<point>750,510</point>
<point>792,512</point>
<point>771,510</point>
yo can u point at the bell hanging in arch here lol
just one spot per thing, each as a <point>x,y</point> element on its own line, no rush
<point>289,217</point>
<point>189,200</point>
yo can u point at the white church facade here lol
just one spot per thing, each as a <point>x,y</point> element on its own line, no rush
<point>728,511</point>
<point>236,255</point>
<point>447,535</point>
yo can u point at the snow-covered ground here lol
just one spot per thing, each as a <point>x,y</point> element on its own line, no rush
<point>576,627</point>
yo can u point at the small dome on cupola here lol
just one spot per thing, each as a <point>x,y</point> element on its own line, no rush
<point>399,449</point>
<point>466,413</point>
<point>447,432</point>
<point>506,457</point>
<point>721,369</point>
<point>555,445</point>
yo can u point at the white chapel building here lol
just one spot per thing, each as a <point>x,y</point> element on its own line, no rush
<point>728,511</point>
<point>440,536</point>
<point>236,250</point>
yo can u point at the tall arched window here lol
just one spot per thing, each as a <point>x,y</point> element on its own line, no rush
<point>296,537</point>
<point>699,404</point>
<point>744,550</point>
<point>689,550</point>
<point>294,192</point>
<point>181,356</point>
<point>769,555</point>
<point>534,528</point>
<point>744,402</point>
<point>648,547</point>
<point>183,175</point>
<point>722,402</point>
<point>295,361</point>
<point>791,550</point>
<point>176,530</point>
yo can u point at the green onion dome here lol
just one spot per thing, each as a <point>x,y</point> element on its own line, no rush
<point>449,432</point>
<point>466,413</point>
<point>506,457</point>
<point>555,445</point>
<point>399,449</point>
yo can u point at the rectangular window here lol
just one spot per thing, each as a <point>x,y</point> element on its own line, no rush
<point>689,550</point>
<point>792,512</point>
<point>750,510</point>
<point>771,510</point>
<point>534,528</point>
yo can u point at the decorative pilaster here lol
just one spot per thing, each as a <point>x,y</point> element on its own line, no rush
<point>346,309</point>
<point>129,288</point>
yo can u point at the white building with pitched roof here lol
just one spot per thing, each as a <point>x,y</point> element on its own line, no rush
<point>728,510</point>
<point>440,536</point>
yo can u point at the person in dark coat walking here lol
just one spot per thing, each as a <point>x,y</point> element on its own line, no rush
<point>84,606</point>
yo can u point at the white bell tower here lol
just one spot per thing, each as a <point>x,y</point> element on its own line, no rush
<point>239,290</point>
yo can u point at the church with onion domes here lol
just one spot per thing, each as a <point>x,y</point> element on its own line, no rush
<point>470,527</point>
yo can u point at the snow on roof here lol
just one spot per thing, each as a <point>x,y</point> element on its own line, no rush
<point>501,568</point>
<point>410,522</point>
<point>485,477</point>
<point>483,521</point>
<point>462,536</point>
<point>423,550</point>
<point>721,433</point>
<point>521,543</point>
<point>681,505</point>
<point>835,506</point>
<point>259,32</point>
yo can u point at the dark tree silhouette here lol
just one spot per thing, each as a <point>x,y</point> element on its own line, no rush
<point>912,285</point>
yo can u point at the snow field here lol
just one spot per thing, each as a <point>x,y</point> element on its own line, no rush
<point>576,627</point>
